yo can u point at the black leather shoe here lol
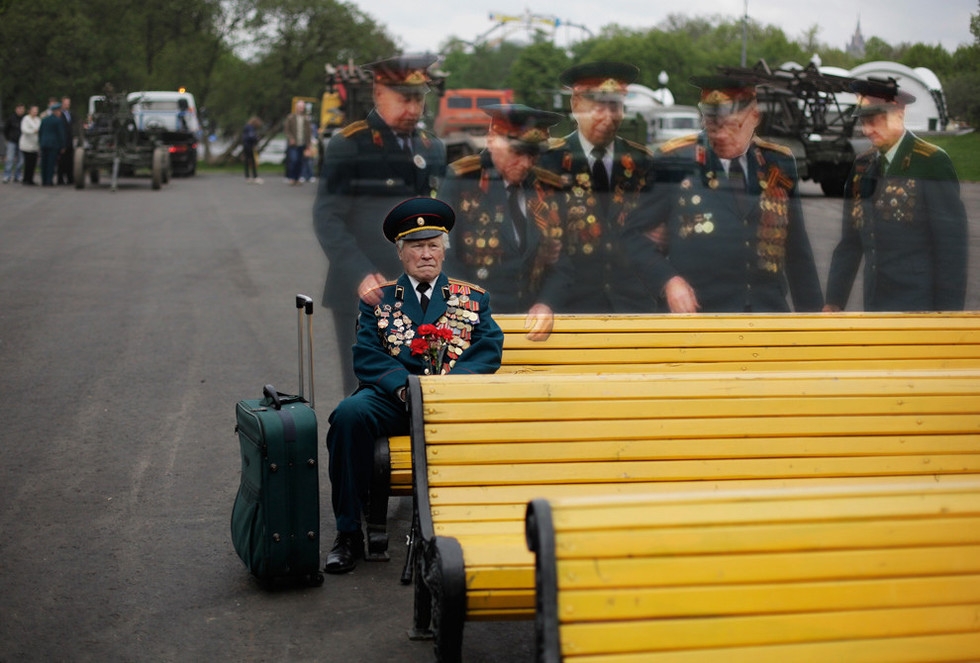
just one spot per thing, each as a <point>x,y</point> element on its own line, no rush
<point>348,547</point>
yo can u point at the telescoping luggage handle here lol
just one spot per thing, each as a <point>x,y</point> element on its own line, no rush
<point>304,302</point>
<point>276,399</point>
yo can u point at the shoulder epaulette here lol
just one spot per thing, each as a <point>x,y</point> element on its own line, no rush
<point>353,128</point>
<point>925,149</point>
<point>638,146</point>
<point>679,142</point>
<point>557,143</point>
<point>769,145</point>
<point>467,164</point>
<point>549,177</point>
<point>467,284</point>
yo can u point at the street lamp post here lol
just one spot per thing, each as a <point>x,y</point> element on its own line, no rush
<point>745,30</point>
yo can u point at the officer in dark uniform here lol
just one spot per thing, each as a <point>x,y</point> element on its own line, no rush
<point>605,178</point>
<point>369,167</point>
<point>725,232</point>
<point>421,323</point>
<point>508,236</point>
<point>902,214</point>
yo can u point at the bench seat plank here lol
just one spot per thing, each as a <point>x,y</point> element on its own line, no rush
<point>747,575</point>
<point>767,630</point>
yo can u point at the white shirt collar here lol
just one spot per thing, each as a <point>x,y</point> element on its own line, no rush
<point>415,285</point>
<point>587,147</point>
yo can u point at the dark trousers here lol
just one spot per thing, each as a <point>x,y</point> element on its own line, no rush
<point>30,164</point>
<point>355,424</point>
<point>66,166</point>
<point>250,168</point>
<point>294,162</point>
<point>49,164</point>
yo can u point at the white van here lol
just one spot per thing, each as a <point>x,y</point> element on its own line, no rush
<point>174,112</point>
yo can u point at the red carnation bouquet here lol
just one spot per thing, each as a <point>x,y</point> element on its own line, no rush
<point>431,343</point>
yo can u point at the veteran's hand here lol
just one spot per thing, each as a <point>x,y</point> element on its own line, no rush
<point>370,288</point>
<point>831,308</point>
<point>680,296</point>
<point>540,321</point>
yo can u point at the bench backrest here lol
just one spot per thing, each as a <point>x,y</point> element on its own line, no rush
<point>716,342</point>
<point>483,446</point>
<point>845,574</point>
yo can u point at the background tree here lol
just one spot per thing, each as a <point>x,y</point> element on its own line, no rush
<point>963,87</point>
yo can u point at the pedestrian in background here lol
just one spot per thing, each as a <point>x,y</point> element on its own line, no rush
<point>29,146</point>
<point>66,162</point>
<point>13,166</point>
<point>250,139</point>
<point>298,138</point>
<point>51,139</point>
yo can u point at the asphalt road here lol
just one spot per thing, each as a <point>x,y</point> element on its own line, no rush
<point>130,324</point>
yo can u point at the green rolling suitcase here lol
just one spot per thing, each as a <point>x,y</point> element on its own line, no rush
<point>275,522</point>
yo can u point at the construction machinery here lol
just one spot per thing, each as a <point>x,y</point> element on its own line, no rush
<point>113,141</point>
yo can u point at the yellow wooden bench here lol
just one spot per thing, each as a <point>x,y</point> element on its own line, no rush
<point>705,342</point>
<point>483,446</point>
<point>846,573</point>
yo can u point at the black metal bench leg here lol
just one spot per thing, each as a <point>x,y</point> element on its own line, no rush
<point>412,547</point>
<point>446,577</point>
<point>422,610</point>
<point>377,508</point>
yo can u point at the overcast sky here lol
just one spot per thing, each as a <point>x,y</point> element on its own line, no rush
<point>426,25</point>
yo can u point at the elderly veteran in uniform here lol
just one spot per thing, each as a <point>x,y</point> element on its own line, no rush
<point>605,178</point>
<point>902,214</point>
<point>421,323</point>
<point>368,167</point>
<point>508,221</point>
<point>725,232</point>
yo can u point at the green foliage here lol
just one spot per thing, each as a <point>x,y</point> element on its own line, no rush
<point>964,150</point>
<point>534,75</point>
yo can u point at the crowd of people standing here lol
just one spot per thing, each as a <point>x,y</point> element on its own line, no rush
<point>40,144</point>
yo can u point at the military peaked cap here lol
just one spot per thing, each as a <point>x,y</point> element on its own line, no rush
<point>723,95</point>
<point>526,127</point>
<point>879,95</point>
<point>419,218</point>
<point>600,80</point>
<point>404,73</point>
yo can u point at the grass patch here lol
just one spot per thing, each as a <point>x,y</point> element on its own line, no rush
<point>964,150</point>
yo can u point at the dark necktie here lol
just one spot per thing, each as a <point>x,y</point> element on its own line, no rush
<point>406,142</point>
<point>516,213</point>
<point>736,176</point>
<point>423,287</point>
<point>883,165</point>
<point>600,178</point>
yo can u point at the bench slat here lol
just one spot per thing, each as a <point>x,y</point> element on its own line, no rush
<point>912,363</point>
<point>775,567</point>
<point>935,648</point>
<point>593,605</point>
<point>757,468</point>
<point>767,630</point>
<point>522,494</point>
<point>722,447</point>
<point>513,324</point>
<point>508,388</point>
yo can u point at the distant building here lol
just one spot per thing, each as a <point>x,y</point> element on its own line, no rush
<point>856,47</point>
